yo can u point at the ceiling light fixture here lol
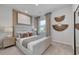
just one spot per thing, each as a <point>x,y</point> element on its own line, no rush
<point>36,4</point>
<point>26,11</point>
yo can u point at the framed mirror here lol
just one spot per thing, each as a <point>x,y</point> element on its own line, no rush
<point>76,31</point>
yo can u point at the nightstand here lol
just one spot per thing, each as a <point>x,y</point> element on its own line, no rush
<point>8,41</point>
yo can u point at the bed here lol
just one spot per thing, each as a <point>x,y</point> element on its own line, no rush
<point>34,46</point>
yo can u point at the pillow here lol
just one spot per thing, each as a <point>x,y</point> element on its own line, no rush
<point>30,33</point>
<point>23,35</point>
<point>17,35</point>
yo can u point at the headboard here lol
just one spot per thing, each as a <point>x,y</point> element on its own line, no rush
<point>23,28</point>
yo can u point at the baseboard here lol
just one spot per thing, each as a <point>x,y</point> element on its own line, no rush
<point>61,43</point>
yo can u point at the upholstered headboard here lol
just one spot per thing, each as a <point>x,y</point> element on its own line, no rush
<point>23,28</point>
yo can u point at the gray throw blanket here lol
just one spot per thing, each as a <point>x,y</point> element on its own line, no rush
<point>26,41</point>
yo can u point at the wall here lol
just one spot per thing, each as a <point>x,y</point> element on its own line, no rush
<point>75,6</point>
<point>66,36</point>
<point>5,19</point>
<point>5,16</point>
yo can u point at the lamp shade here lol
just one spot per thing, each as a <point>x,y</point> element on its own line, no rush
<point>1,28</point>
<point>8,29</point>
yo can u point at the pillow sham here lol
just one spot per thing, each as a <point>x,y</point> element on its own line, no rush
<point>23,35</point>
<point>30,33</point>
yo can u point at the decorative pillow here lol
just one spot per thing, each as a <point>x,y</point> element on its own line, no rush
<point>30,33</point>
<point>26,34</point>
<point>18,35</point>
<point>23,35</point>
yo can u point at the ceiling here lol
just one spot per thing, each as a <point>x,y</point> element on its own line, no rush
<point>41,9</point>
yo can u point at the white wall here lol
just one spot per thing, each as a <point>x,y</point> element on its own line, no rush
<point>5,16</point>
<point>5,19</point>
<point>75,6</point>
<point>66,36</point>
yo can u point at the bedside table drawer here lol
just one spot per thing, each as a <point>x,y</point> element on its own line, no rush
<point>8,42</point>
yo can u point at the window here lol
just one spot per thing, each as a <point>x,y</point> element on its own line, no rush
<point>42,25</point>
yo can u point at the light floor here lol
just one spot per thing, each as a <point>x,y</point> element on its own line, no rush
<point>77,50</point>
<point>54,49</point>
